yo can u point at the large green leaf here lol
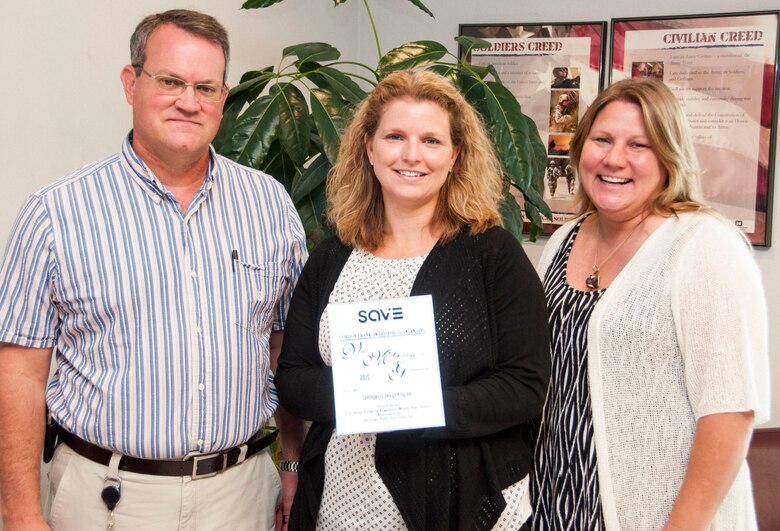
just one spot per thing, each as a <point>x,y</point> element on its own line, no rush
<point>514,137</point>
<point>251,85</point>
<point>469,43</point>
<point>310,178</point>
<point>311,210</point>
<point>534,199</point>
<point>312,51</point>
<point>310,70</point>
<point>251,136</point>
<point>478,71</point>
<point>411,55</point>
<point>330,116</point>
<point>537,148</point>
<point>494,73</point>
<point>448,71</point>
<point>532,213</point>
<point>538,165</point>
<point>278,164</point>
<point>507,128</point>
<point>474,92</point>
<point>421,6</point>
<point>229,116</point>
<point>294,121</point>
<point>509,141</point>
<point>342,84</point>
<point>511,215</point>
<point>254,4</point>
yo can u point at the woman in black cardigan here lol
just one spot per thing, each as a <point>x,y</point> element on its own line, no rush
<point>414,201</point>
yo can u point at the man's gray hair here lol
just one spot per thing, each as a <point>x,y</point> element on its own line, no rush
<point>190,21</point>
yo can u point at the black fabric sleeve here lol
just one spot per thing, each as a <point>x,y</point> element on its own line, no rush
<point>303,381</point>
<point>514,390</point>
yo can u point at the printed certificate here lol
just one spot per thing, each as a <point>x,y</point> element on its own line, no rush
<point>385,365</point>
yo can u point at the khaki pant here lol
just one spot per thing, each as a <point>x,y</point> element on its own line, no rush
<point>243,497</point>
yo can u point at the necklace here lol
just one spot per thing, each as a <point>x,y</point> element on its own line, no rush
<point>592,280</point>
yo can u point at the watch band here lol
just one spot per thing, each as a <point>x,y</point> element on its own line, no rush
<point>288,466</point>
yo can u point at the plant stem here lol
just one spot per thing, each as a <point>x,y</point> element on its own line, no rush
<point>373,28</point>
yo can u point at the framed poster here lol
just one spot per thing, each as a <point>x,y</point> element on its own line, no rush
<point>554,71</point>
<point>723,69</point>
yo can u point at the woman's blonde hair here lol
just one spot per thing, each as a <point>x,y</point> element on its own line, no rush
<point>670,136</point>
<point>471,193</point>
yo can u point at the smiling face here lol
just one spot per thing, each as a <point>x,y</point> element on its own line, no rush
<point>174,129</point>
<point>618,169</point>
<point>412,153</point>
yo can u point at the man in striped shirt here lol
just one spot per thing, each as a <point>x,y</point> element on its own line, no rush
<point>161,277</point>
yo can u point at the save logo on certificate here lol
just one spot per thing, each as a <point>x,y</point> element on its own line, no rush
<point>385,365</point>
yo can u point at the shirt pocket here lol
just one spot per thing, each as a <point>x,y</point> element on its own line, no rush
<point>262,287</point>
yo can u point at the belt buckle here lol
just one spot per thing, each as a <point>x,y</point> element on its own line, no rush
<point>198,458</point>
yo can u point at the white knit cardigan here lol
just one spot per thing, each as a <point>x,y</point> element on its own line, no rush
<point>680,333</point>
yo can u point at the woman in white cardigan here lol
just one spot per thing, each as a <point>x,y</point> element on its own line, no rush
<point>659,335</point>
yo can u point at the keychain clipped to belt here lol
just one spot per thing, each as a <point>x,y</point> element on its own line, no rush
<point>112,488</point>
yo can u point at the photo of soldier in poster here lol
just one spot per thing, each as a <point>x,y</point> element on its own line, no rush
<point>560,179</point>
<point>564,77</point>
<point>564,111</point>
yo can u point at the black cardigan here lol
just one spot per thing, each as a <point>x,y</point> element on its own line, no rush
<point>491,327</point>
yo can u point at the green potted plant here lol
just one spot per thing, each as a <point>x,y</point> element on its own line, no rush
<point>270,124</point>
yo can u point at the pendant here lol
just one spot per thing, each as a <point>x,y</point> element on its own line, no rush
<point>592,280</point>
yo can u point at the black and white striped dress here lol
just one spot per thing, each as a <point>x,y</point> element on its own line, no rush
<point>564,484</point>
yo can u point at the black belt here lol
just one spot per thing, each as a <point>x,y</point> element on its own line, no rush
<point>198,466</point>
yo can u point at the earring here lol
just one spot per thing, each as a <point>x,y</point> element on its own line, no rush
<point>371,162</point>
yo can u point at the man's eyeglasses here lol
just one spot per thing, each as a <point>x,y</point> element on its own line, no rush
<point>174,86</point>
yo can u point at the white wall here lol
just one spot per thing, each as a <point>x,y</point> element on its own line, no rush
<point>63,104</point>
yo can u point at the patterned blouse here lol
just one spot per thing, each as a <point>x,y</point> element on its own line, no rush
<point>564,480</point>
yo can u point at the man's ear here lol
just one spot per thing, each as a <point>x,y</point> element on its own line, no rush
<point>128,78</point>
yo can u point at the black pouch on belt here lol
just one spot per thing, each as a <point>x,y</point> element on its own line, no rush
<point>50,437</point>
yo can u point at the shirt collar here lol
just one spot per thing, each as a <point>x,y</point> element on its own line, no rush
<point>148,181</point>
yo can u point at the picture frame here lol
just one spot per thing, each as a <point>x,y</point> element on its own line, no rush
<point>723,70</point>
<point>555,70</point>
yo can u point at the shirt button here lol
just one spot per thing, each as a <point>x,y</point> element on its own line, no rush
<point>198,329</point>
<point>200,442</point>
<point>193,274</point>
<point>201,387</point>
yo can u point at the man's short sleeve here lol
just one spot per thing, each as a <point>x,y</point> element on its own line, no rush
<point>297,257</point>
<point>28,316</point>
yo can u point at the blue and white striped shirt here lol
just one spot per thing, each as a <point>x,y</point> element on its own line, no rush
<point>161,335</point>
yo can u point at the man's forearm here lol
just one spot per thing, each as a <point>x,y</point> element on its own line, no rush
<point>22,417</point>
